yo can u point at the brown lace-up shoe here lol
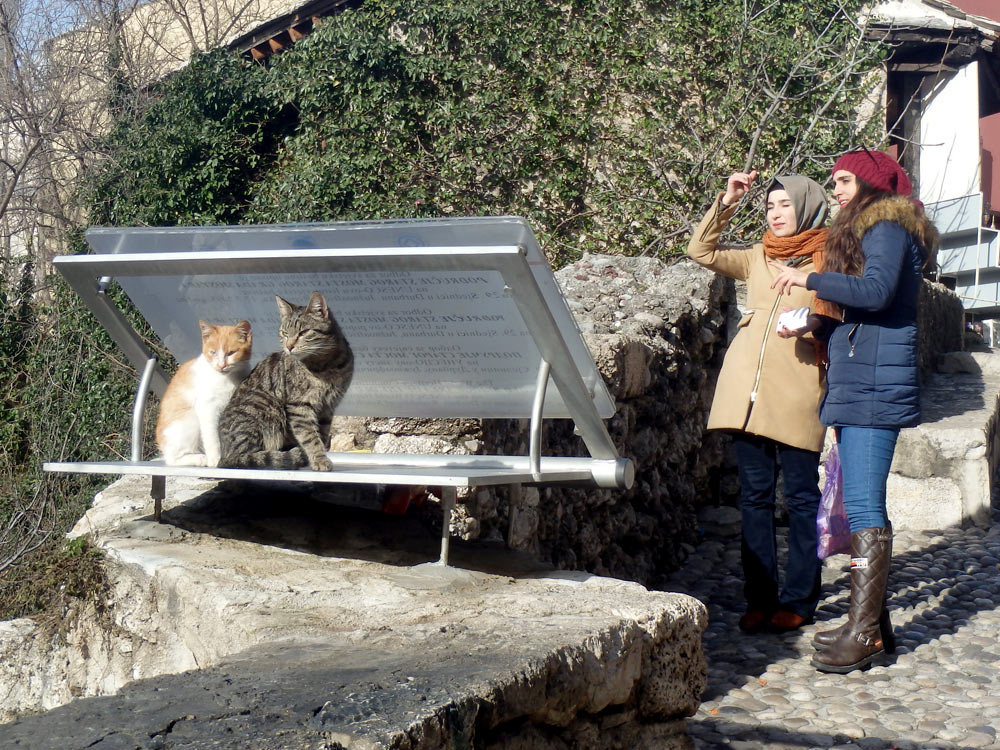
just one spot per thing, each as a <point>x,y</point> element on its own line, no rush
<point>784,621</point>
<point>754,621</point>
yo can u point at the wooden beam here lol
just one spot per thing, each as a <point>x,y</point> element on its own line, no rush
<point>303,21</point>
<point>927,36</point>
<point>917,67</point>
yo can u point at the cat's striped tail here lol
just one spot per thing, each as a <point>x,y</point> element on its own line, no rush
<point>294,458</point>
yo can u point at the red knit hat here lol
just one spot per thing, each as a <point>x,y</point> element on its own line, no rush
<point>876,168</point>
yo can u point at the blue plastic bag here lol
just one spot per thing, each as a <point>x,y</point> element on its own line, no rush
<point>832,526</point>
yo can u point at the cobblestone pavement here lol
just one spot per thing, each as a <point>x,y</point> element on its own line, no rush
<point>941,689</point>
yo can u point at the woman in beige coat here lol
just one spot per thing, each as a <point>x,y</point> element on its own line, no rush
<point>768,395</point>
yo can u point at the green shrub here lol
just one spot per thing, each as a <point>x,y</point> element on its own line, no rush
<point>66,395</point>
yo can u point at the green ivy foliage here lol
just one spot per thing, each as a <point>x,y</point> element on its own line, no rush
<point>609,125</point>
<point>195,154</point>
<point>16,319</point>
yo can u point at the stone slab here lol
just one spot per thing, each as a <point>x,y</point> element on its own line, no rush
<point>332,622</point>
<point>337,694</point>
<point>942,469</point>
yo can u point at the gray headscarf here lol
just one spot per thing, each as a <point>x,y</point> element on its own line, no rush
<point>808,199</point>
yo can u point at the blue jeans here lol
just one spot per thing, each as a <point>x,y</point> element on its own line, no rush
<point>759,460</point>
<point>865,458</point>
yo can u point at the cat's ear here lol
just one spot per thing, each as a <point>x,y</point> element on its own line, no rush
<point>207,329</point>
<point>284,307</point>
<point>243,329</point>
<point>317,306</point>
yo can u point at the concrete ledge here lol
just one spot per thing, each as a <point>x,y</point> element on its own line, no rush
<point>319,624</point>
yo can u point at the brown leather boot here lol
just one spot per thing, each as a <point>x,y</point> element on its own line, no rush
<point>824,638</point>
<point>861,641</point>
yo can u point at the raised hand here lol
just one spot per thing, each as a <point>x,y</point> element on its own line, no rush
<point>738,185</point>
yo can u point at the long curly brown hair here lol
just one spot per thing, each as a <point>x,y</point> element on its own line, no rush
<point>843,246</point>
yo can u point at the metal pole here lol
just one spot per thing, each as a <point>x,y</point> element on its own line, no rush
<point>158,491</point>
<point>448,496</point>
<point>535,448</point>
<point>139,409</point>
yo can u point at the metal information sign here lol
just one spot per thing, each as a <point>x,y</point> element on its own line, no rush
<point>447,318</point>
<point>434,339</point>
<point>428,340</point>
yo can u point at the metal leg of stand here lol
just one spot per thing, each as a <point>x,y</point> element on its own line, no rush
<point>448,496</point>
<point>158,491</point>
<point>535,445</point>
<point>514,497</point>
<point>139,408</point>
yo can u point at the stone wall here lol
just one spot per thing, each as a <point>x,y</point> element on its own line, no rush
<point>940,319</point>
<point>656,331</point>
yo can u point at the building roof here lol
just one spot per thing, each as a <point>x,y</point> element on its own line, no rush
<point>934,35</point>
<point>931,15</point>
<point>284,30</point>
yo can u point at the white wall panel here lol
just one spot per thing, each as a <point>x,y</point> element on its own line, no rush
<point>949,137</point>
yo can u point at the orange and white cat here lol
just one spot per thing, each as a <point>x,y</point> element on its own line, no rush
<point>187,430</point>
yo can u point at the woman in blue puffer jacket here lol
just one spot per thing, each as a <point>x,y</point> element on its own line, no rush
<point>878,247</point>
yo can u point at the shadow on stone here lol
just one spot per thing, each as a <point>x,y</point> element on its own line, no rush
<point>962,578</point>
<point>956,387</point>
<point>297,517</point>
<point>736,729</point>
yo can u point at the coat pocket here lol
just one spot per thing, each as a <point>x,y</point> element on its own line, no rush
<point>745,320</point>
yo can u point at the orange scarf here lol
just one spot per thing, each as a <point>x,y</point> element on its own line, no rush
<point>810,242</point>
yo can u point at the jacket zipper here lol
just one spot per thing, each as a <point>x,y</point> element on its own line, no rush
<point>851,341</point>
<point>763,346</point>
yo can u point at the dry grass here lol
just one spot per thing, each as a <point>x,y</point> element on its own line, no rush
<point>55,579</point>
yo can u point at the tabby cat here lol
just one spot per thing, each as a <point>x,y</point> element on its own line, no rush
<point>280,415</point>
<point>187,430</point>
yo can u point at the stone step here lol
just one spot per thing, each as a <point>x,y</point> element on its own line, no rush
<point>942,470</point>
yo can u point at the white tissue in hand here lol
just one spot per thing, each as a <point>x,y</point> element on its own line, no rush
<point>793,320</point>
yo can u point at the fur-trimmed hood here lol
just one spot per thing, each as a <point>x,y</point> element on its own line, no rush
<point>907,214</point>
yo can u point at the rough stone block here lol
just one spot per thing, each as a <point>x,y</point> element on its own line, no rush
<point>928,503</point>
<point>422,426</point>
<point>389,443</point>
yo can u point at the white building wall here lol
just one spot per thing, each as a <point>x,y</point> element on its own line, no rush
<point>949,137</point>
